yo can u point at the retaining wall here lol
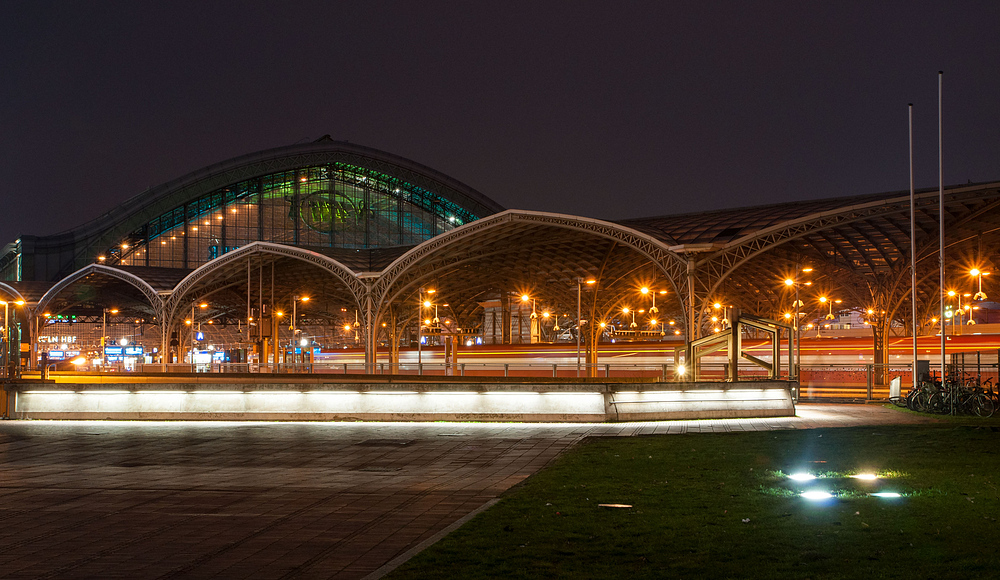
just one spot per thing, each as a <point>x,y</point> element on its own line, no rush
<point>384,400</point>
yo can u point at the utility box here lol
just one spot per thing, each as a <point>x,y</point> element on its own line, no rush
<point>923,370</point>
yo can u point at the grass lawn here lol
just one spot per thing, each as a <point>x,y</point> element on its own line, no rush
<point>722,506</point>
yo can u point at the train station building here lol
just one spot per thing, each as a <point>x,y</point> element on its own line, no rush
<point>270,259</point>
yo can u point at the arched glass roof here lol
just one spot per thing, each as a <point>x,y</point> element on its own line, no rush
<point>327,196</point>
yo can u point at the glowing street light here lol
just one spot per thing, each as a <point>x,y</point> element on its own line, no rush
<point>644,291</point>
<point>579,321</point>
<point>104,333</point>
<point>980,295</point>
<point>626,311</point>
<point>421,304</point>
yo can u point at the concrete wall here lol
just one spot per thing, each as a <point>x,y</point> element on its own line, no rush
<point>419,401</point>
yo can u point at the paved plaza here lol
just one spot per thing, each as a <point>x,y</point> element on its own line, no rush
<point>279,500</point>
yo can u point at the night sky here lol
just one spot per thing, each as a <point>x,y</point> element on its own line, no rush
<point>604,109</point>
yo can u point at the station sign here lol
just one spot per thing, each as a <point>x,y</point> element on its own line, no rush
<point>133,351</point>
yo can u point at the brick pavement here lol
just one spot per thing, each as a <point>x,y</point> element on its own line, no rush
<point>278,500</point>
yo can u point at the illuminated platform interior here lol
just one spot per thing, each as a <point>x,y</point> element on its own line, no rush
<point>287,399</point>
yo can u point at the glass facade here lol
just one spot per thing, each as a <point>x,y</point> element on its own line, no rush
<point>328,206</point>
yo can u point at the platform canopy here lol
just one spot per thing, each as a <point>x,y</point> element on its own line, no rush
<point>355,242</point>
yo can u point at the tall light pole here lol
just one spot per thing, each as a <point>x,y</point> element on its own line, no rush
<point>913,253</point>
<point>829,302</point>
<point>797,305</point>
<point>579,313</point>
<point>104,336</point>
<point>421,304</point>
<point>194,337</point>
<point>294,323</point>
<point>980,295</point>
<point>941,230</point>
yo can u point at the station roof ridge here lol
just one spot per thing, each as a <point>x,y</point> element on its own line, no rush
<point>728,224</point>
<point>323,145</point>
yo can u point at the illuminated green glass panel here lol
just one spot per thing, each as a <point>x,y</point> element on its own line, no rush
<point>326,206</point>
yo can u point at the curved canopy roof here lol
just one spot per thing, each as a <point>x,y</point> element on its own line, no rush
<point>157,200</point>
<point>82,245</point>
<point>859,245</point>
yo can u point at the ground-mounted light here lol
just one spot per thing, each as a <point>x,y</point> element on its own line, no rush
<point>816,495</point>
<point>865,476</point>
<point>886,494</point>
<point>802,477</point>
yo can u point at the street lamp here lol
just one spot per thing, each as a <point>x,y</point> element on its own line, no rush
<point>980,295</point>
<point>626,311</point>
<point>293,326</point>
<point>644,291</point>
<point>949,311</point>
<point>579,322</point>
<point>796,313</point>
<point>104,335</point>
<point>194,337</point>
<point>421,304</point>
<point>829,316</point>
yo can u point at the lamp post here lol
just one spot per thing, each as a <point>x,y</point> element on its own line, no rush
<point>579,323</point>
<point>579,314</point>
<point>421,304</point>
<point>797,306</point>
<point>626,311</point>
<point>194,337</point>
<point>652,309</point>
<point>104,335</point>
<point>980,295</point>
<point>948,313</point>
<point>829,316</point>
<point>535,326</point>
<point>294,322</point>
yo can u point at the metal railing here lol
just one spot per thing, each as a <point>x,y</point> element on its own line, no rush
<point>490,369</point>
<point>867,382</point>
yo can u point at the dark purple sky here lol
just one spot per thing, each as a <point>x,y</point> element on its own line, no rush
<point>602,109</point>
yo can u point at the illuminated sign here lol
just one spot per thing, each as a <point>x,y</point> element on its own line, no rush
<point>114,350</point>
<point>57,339</point>
<point>199,335</point>
<point>56,355</point>
<point>133,351</point>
